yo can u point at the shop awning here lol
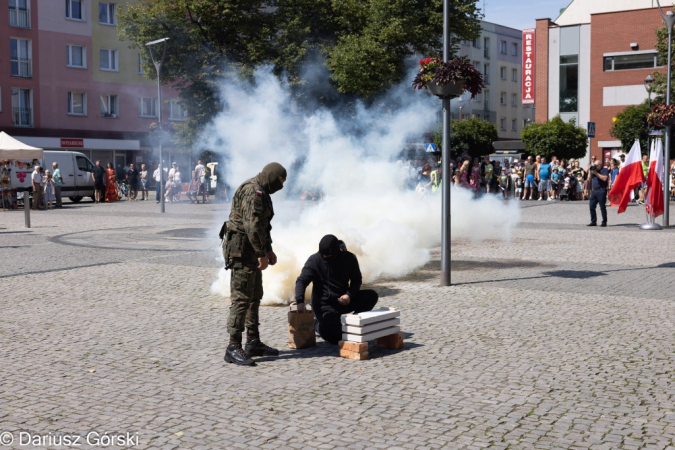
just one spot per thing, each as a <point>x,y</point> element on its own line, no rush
<point>11,148</point>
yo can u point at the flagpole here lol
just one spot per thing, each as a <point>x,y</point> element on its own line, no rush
<point>669,19</point>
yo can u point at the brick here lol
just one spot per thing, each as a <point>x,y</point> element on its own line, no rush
<point>353,346</point>
<point>354,355</point>
<point>393,341</point>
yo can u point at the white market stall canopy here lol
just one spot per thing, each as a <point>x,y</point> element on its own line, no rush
<point>10,148</point>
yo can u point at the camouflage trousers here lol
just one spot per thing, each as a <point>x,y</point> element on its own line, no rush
<point>246,291</point>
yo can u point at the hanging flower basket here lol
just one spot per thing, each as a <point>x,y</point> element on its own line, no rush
<point>449,90</point>
<point>448,79</point>
<point>661,115</point>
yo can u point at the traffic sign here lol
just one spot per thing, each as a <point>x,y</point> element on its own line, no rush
<point>430,148</point>
<point>591,129</point>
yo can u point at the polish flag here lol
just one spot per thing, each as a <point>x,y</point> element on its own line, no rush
<point>630,177</point>
<point>655,180</point>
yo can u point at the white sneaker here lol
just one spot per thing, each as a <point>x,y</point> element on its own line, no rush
<point>539,199</point>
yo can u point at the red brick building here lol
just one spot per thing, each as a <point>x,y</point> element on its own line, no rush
<point>591,63</point>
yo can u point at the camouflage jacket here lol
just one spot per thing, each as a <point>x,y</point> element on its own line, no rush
<point>251,215</point>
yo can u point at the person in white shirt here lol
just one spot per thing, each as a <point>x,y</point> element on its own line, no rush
<point>174,180</point>
<point>158,180</point>
<point>36,184</point>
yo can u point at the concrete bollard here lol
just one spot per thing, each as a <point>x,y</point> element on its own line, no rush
<point>26,206</point>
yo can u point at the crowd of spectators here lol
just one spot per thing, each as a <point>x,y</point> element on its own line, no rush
<point>535,178</point>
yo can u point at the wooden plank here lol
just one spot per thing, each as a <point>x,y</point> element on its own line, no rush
<point>365,318</point>
<point>370,336</point>
<point>351,329</point>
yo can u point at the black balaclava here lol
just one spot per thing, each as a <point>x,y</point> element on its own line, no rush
<point>269,177</point>
<point>330,246</point>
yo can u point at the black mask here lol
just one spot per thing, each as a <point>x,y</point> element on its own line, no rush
<point>330,247</point>
<point>270,176</point>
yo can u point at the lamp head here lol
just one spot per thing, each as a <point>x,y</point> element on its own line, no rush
<point>158,41</point>
<point>649,80</point>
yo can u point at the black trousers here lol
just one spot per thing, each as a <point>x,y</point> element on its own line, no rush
<point>328,315</point>
<point>598,196</point>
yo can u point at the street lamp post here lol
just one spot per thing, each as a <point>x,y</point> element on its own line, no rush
<point>669,19</point>
<point>447,182</point>
<point>158,68</point>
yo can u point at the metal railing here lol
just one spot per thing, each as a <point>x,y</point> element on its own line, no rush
<point>22,117</point>
<point>21,68</point>
<point>19,18</point>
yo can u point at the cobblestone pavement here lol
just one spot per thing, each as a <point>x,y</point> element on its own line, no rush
<point>562,338</point>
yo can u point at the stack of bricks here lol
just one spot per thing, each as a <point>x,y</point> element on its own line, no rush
<point>380,325</point>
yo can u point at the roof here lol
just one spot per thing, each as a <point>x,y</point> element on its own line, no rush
<point>579,11</point>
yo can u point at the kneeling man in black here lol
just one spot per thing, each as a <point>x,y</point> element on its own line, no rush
<point>336,279</point>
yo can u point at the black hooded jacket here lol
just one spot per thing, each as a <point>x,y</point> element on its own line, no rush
<point>330,280</point>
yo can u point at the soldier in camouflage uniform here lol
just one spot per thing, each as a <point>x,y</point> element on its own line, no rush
<point>247,248</point>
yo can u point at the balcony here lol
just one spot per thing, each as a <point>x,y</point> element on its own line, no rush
<point>19,18</point>
<point>21,68</point>
<point>22,117</point>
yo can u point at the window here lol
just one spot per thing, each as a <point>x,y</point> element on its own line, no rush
<point>631,61</point>
<point>514,74</point>
<point>140,64</point>
<point>486,47</point>
<point>108,60</point>
<point>476,43</point>
<point>514,125</point>
<point>107,13</point>
<point>502,73</point>
<point>478,98</point>
<point>486,105</point>
<point>502,98</point>
<point>177,111</point>
<point>514,49</point>
<point>148,106</point>
<point>84,164</point>
<point>74,10</point>
<point>19,14</point>
<point>76,56</point>
<point>20,53</point>
<point>502,124</point>
<point>502,47</point>
<point>109,106</point>
<point>77,104</point>
<point>569,82</point>
<point>486,118</point>
<point>514,101</point>
<point>22,107</point>
<point>486,73</point>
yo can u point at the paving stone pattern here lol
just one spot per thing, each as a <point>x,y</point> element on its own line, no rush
<point>561,338</point>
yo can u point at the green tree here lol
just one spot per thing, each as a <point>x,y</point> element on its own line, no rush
<point>472,135</point>
<point>631,124</point>
<point>364,44</point>
<point>555,138</point>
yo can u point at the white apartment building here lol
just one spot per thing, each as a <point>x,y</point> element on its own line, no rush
<point>497,53</point>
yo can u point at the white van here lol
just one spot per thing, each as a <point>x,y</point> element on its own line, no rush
<point>76,170</point>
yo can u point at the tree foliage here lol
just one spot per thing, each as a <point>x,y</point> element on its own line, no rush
<point>364,43</point>
<point>631,124</point>
<point>555,138</point>
<point>472,135</point>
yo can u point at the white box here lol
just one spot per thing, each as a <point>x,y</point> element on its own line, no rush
<point>370,336</point>
<point>365,318</point>
<point>351,329</point>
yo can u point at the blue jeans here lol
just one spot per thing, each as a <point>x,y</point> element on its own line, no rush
<point>598,196</point>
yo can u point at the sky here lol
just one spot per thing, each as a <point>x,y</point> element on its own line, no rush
<point>521,14</point>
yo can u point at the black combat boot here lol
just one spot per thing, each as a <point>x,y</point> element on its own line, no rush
<point>255,347</point>
<point>235,354</point>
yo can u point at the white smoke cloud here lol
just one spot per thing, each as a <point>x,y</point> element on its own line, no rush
<point>353,159</point>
